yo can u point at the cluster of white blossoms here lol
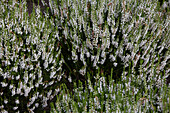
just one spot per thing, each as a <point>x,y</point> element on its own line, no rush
<point>144,35</point>
<point>31,56</point>
<point>27,60</point>
<point>111,97</point>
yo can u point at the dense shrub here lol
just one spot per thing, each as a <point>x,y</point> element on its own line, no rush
<point>40,52</point>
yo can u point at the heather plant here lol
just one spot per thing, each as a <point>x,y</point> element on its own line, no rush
<point>104,34</point>
<point>118,50</point>
<point>30,60</point>
<point>112,97</point>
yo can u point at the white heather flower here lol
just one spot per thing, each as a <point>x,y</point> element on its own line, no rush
<point>50,59</point>
<point>74,56</point>
<point>129,46</point>
<point>52,74</point>
<point>146,61</point>
<point>127,58</point>
<point>32,99</point>
<point>36,105</point>
<point>4,84</point>
<point>30,75</point>
<point>1,54</point>
<point>69,79</point>
<point>82,56</point>
<point>47,55</point>
<point>1,107</point>
<point>103,54</point>
<point>17,101</point>
<point>37,85</point>
<point>15,108</point>
<point>137,58</point>
<point>5,75</point>
<point>116,53</point>
<point>45,64</point>
<point>59,68</point>
<point>27,90</point>
<point>112,58</point>
<point>57,90</point>
<point>84,62</point>
<point>28,104</point>
<point>22,64</point>
<point>121,51</point>
<point>18,90</point>
<point>44,104</point>
<point>50,83</point>
<point>142,42</point>
<point>115,44</point>
<point>133,55</point>
<point>11,86</point>
<point>51,97</point>
<point>40,96</point>
<point>54,61</point>
<point>40,80</point>
<point>35,56</point>
<point>5,101</point>
<point>39,53</point>
<point>32,109</point>
<point>43,55</point>
<point>8,62</point>
<point>115,64</point>
<point>91,88</point>
<point>88,43</point>
<point>18,77</point>
<point>5,63</point>
<point>161,49</point>
<point>49,93</point>
<point>40,74</point>
<point>31,67</point>
<point>4,111</point>
<point>26,77</point>
<point>52,68</point>
<point>94,63</point>
<point>163,63</point>
<point>103,60</point>
<point>15,68</point>
<point>1,93</point>
<point>92,57</point>
<point>59,77</point>
<point>13,91</point>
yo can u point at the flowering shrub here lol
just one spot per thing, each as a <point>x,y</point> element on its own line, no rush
<point>111,97</point>
<point>40,52</point>
<point>30,60</point>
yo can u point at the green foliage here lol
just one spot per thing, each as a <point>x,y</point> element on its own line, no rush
<point>86,55</point>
